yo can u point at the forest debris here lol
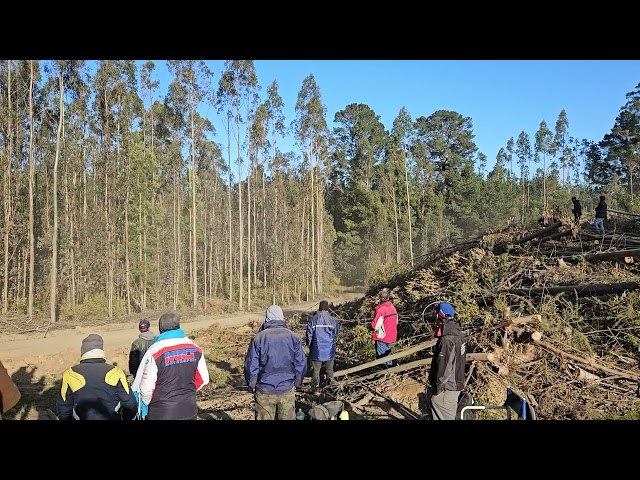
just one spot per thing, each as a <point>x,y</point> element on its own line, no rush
<point>580,290</point>
<point>590,363</point>
<point>538,233</point>
<point>582,374</point>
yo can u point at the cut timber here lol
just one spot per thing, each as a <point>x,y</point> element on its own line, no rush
<point>555,236</point>
<point>538,233</point>
<point>590,363</point>
<point>470,357</point>
<point>517,321</point>
<point>582,374</point>
<point>605,256</point>
<point>624,213</point>
<point>580,290</point>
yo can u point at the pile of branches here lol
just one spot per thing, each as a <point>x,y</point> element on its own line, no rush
<point>549,311</point>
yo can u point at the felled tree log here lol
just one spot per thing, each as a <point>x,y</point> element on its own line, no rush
<point>555,236</point>
<point>538,233</point>
<point>580,290</point>
<point>623,213</point>
<point>604,256</point>
<point>516,321</point>
<point>590,363</point>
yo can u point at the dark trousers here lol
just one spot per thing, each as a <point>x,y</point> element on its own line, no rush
<point>328,370</point>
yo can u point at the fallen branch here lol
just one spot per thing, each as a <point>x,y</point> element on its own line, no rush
<point>580,290</point>
<point>538,233</point>
<point>589,363</point>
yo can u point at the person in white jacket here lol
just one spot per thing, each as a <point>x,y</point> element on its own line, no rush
<point>171,372</point>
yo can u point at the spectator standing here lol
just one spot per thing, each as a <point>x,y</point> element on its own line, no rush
<point>322,330</point>
<point>9,392</point>
<point>275,365</point>
<point>446,373</point>
<point>140,346</point>
<point>601,215</point>
<point>94,389</point>
<point>172,371</point>
<point>577,209</point>
<point>385,326</point>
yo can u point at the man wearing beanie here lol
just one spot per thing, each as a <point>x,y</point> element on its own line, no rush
<point>275,364</point>
<point>94,389</point>
<point>322,330</point>
<point>171,372</point>
<point>140,346</point>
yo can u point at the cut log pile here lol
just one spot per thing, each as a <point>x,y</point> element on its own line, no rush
<point>550,311</point>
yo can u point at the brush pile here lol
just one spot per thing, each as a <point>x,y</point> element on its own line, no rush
<point>551,311</point>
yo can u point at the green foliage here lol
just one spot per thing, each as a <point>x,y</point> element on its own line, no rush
<point>93,308</point>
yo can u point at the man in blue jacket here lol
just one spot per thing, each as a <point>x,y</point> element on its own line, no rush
<point>322,330</point>
<point>275,364</point>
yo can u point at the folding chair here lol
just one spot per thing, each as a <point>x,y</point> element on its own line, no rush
<point>514,403</point>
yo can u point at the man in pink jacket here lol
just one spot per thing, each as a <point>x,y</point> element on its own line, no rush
<point>385,326</point>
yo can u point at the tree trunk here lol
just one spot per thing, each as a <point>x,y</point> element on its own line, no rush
<point>53,304</point>
<point>7,196</point>
<point>31,193</point>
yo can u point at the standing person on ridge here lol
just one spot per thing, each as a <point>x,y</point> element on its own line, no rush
<point>140,346</point>
<point>446,373</point>
<point>577,210</point>
<point>385,326</point>
<point>601,215</point>
<point>274,365</point>
<point>322,330</point>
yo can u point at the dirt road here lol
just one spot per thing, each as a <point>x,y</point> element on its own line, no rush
<point>61,348</point>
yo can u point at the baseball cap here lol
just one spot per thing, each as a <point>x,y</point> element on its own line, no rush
<point>144,325</point>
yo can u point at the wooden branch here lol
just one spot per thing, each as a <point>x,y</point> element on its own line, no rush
<point>555,236</point>
<point>538,233</point>
<point>517,321</point>
<point>580,290</point>
<point>604,256</point>
<point>590,363</point>
<point>623,213</point>
<point>380,361</point>
<point>470,357</point>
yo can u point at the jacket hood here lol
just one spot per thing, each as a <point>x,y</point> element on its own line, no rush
<point>272,323</point>
<point>452,327</point>
<point>147,335</point>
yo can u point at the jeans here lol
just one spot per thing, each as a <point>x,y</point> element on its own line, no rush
<point>382,350</point>
<point>598,224</point>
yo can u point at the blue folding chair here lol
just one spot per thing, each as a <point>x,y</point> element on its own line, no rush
<point>514,403</point>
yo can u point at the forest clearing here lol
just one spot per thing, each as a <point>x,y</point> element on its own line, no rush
<point>548,311</point>
<point>120,201</point>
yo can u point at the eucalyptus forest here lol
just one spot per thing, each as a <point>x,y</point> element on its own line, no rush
<point>118,198</point>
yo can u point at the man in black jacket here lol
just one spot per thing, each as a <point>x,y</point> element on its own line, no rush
<point>446,374</point>
<point>94,389</point>
<point>601,215</point>
<point>577,209</point>
<point>140,346</point>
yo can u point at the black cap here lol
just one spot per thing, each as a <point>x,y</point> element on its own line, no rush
<point>144,325</point>
<point>324,305</point>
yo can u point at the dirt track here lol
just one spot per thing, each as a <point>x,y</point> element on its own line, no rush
<point>61,348</point>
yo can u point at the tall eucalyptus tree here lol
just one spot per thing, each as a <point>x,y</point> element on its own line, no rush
<point>403,131</point>
<point>544,147</point>
<point>523,152</point>
<point>310,130</point>
<point>191,88</point>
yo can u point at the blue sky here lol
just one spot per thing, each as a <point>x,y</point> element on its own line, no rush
<point>502,97</point>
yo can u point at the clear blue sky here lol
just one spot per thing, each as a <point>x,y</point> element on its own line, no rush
<point>502,97</point>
